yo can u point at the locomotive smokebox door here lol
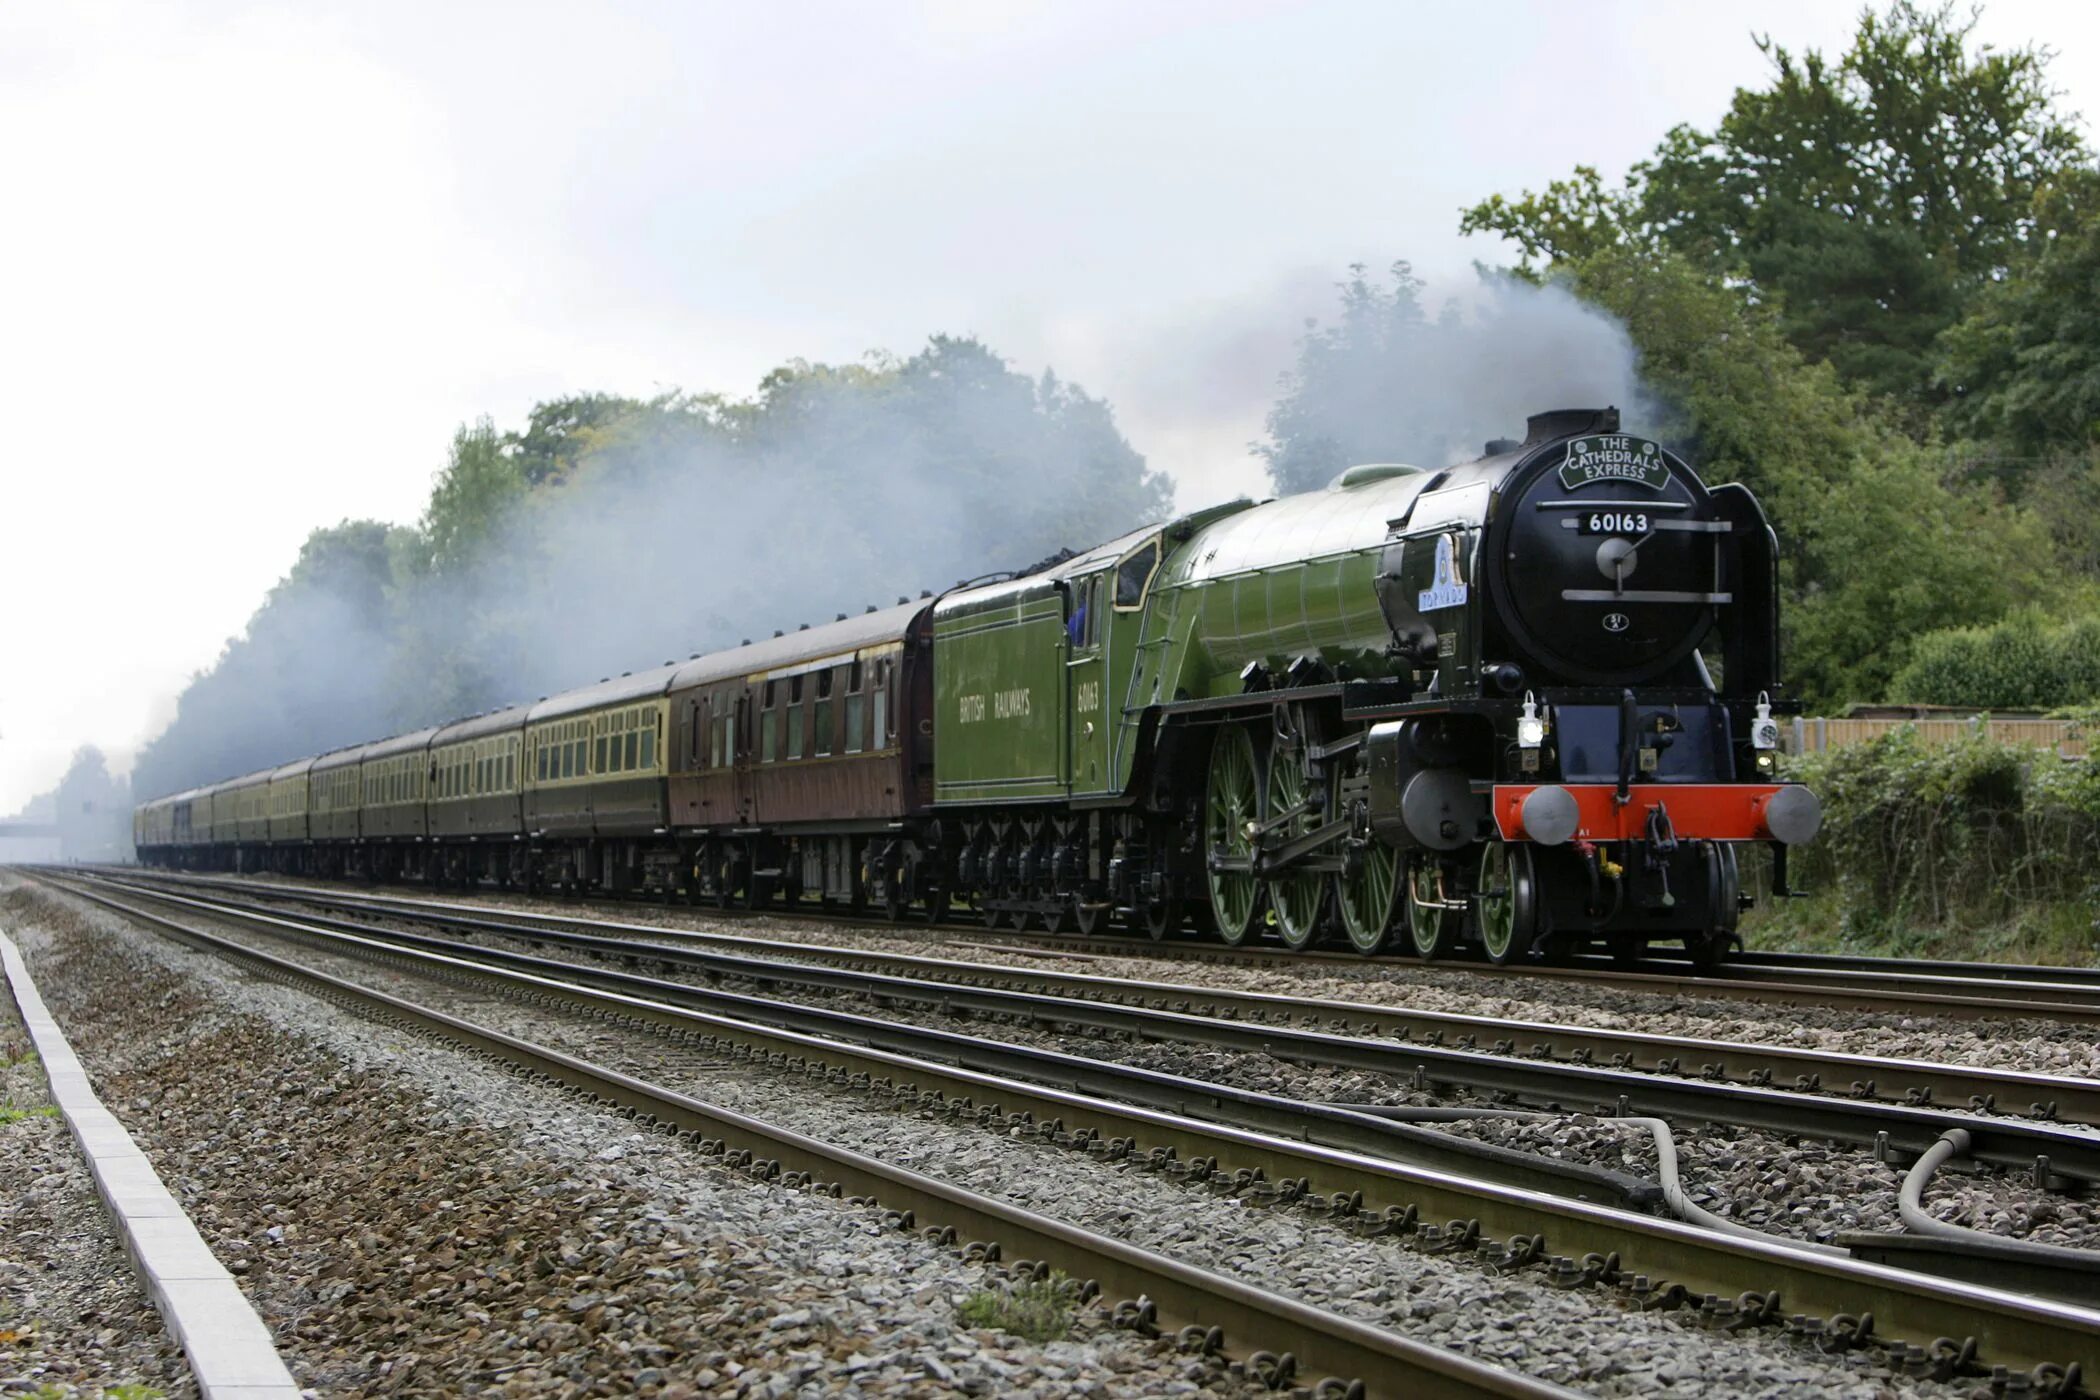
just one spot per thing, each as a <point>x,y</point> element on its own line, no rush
<point>1609,559</point>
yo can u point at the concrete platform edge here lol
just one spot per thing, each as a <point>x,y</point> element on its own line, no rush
<point>231,1353</point>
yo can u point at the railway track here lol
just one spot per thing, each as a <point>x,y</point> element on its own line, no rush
<point>1449,1043</point>
<point>1306,1032</point>
<point>1721,1274</point>
<point>1156,1293</point>
<point>1881,985</point>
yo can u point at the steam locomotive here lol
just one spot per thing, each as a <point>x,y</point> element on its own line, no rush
<point>1526,704</point>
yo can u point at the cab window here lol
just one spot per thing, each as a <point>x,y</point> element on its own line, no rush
<point>1084,625</point>
<point>1135,572</point>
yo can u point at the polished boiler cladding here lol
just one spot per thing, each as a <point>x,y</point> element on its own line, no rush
<point>1524,704</point>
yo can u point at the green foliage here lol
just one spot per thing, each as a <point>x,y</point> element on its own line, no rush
<point>11,1112</point>
<point>1919,835</point>
<point>558,432</point>
<point>1877,544</point>
<point>1896,553</point>
<point>472,496</point>
<point>1037,1311</point>
<point>2022,370</point>
<point>1883,189</point>
<point>2023,662</point>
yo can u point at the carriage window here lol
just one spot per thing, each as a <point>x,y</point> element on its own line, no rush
<point>856,720</point>
<point>823,735</point>
<point>649,747</point>
<point>1133,574</point>
<point>854,677</point>
<point>794,725</point>
<point>715,745</point>
<point>768,733</point>
<point>599,757</point>
<point>883,706</point>
<point>634,749</point>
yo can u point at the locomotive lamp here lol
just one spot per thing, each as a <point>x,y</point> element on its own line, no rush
<point>1764,735</point>
<point>1531,728</point>
<point>1764,730</point>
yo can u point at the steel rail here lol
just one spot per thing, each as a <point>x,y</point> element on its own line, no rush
<point>1934,967</point>
<point>1902,1130</point>
<point>1838,1301</point>
<point>1848,1076</point>
<point>2074,1000</point>
<point>1328,1125</point>
<point>1386,1363</point>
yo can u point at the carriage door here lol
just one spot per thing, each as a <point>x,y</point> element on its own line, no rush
<point>742,731</point>
<point>1087,614</point>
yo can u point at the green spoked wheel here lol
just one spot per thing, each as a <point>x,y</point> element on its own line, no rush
<point>1300,898</point>
<point>1365,892</point>
<point>1507,902</point>
<point>1232,801</point>
<point>1432,928</point>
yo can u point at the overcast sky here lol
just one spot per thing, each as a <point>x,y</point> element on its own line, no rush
<point>258,261</point>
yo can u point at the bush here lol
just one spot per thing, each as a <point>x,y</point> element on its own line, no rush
<point>1971,832</point>
<point>2024,662</point>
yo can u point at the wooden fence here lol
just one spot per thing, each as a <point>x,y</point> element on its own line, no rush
<point>1817,735</point>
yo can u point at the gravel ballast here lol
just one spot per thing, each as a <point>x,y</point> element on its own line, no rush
<point>73,1314</point>
<point>412,1221</point>
<point>1797,1189</point>
<point>1585,1338</point>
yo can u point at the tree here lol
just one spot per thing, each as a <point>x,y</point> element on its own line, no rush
<point>1868,199</point>
<point>2022,371</point>
<point>559,431</point>
<point>472,495</point>
<point>1878,544</point>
